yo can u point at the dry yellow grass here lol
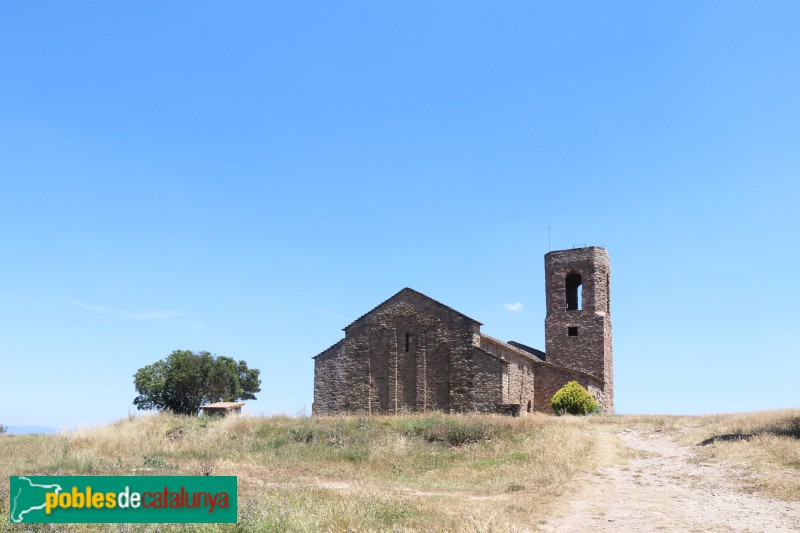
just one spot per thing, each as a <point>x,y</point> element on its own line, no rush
<point>426,472</point>
<point>766,444</point>
<point>408,473</point>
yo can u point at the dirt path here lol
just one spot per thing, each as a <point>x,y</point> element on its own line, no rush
<point>662,488</point>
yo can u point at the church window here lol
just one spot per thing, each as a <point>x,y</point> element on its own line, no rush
<point>408,341</point>
<point>574,292</point>
<point>572,331</point>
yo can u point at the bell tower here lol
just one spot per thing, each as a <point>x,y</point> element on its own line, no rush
<point>578,321</point>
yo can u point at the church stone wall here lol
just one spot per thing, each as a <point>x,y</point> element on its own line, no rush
<point>408,354</point>
<point>488,372</point>
<point>518,382</point>
<point>414,354</point>
<point>331,370</point>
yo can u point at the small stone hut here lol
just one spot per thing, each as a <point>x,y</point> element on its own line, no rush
<point>222,408</point>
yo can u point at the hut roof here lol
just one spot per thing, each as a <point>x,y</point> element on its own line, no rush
<point>222,405</point>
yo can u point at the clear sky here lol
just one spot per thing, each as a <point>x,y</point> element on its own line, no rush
<point>247,178</point>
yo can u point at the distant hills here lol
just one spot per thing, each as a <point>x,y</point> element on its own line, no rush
<point>27,430</point>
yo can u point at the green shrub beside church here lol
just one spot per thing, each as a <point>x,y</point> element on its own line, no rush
<point>573,399</point>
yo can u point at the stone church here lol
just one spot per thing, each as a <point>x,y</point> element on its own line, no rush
<point>412,353</point>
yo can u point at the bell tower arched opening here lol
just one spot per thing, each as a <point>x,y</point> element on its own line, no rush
<point>574,286</point>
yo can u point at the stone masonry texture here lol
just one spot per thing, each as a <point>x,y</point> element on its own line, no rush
<point>587,347</point>
<point>414,354</point>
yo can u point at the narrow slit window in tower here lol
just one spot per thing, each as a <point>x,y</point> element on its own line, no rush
<point>574,296</point>
<point>408,341</point>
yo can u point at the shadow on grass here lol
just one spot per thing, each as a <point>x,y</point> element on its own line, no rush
<point>791,429</point>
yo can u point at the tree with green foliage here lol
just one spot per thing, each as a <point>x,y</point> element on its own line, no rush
<point>573,399</point>
<point>185,380</point>
<point>3,429</point>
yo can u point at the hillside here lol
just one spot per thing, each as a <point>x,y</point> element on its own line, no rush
<point>456,473</point>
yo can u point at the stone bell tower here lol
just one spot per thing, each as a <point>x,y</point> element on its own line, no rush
<point>578,322</point>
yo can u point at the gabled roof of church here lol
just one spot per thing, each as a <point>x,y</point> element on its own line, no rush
<point>538,353</point>
<point>406,291</point>
<point>515,347</point>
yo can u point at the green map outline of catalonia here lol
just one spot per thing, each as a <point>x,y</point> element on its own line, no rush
<point>18,516</point>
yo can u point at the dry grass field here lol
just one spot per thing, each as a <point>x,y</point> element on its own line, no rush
<point>412,473</point>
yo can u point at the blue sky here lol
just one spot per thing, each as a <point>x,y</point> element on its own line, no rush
<point>249,178</point>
